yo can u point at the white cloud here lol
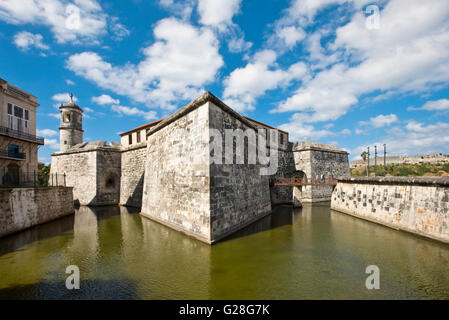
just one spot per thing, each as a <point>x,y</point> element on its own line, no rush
<point>77,20</point>
<point>175,67</point>
<point>414,139</point>
<point>54,115</point>
<point>52,143</point>
<point>87,109</point>
<point>69,82</point>
<point>24,40</point>
<point>46,132</point>
<point>305,10</point>
<point>238,44</point>
<point>409,53</point>
<point>105,99</point>
<point>123,110</point>
<point>291,35</point>
<point>244,85</point>
<point>299,131</point>
<point>182,8</point>
<point>436,105</point>
<point>62,97</point>
<point>218,13</point>
<point>381,120</point>
<point>119,31</point>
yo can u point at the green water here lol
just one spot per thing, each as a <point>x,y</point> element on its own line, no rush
<point>309,253</point>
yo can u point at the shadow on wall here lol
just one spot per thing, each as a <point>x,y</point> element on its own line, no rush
<point>97,289</point>
<point>135,200</point>
<point>55,228</point>
<point>281,215</point>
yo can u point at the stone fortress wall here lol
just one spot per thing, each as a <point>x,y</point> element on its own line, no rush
<point>176,184</point>
<point>419,205</point>
<point>185,189</point>
<point>311,161</point>
<point>239,194</point>
<point>133,160</point>
<point>93,170</point>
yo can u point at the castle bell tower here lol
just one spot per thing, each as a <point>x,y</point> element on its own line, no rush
<point>71,128</point>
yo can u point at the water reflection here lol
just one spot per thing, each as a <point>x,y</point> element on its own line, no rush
<point>303,253</point>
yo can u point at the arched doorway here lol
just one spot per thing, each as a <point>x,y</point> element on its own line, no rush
<point>12,175</point>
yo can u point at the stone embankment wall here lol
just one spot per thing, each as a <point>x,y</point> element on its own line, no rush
<point>132,174</point>
<point>415,204</point>
<point>21,208</point>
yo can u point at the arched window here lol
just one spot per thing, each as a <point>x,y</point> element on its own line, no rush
<point>66,117</point>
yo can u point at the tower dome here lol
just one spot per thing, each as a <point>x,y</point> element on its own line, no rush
<point>71,127</point>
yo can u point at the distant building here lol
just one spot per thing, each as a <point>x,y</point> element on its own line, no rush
<point>429,158</point>
<point>18,140</point>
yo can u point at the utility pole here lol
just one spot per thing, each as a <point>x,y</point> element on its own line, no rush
<point>385,161</point>
<point>375,160</point>
<point>367,167</point>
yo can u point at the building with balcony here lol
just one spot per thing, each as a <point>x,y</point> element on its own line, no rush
<point>18,141</point>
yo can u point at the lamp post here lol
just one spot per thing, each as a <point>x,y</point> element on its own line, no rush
<point>375,160</point>
<point>367,166</point>
<point>385,161</point>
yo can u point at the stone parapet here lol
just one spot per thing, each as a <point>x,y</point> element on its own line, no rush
<point>418,181</point>
<point>419,205</point>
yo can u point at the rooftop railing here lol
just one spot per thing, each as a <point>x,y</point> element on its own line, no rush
<point>21,135</point>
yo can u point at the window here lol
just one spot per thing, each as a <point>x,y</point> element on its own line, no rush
<point>18,112</point>
<point>130,139</point>
<point>138,136</point>
<point>26,115</point>
<point>281,138</point>
<point>9,108</point>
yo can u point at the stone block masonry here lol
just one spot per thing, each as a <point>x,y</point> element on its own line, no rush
<point>22,208</point>
<point>314,159</point>
<point>132,174</point>
<point>185,190</point>
<point>93,170</point>
<point>176,183</point>
<point>419,205</point>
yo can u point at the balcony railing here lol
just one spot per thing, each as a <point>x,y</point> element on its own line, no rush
<point>11,154</point>
<point>21,135</point>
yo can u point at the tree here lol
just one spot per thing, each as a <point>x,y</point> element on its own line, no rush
<point>363,155</point>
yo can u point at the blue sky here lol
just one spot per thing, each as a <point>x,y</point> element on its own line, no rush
<point>352,73</point>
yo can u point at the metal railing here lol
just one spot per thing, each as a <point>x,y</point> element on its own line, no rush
<point>296,181</point>
<point>23,179</point>
<point>11,154</point>
<point>21,135</point>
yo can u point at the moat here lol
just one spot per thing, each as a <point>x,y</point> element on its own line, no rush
<point>308,253</point>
